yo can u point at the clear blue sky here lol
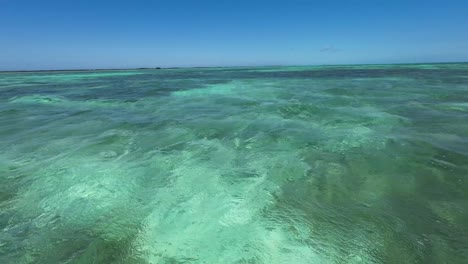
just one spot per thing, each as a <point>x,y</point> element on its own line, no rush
<point>111,34</point>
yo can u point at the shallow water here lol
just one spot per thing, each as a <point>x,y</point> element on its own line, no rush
<point>336,164</point>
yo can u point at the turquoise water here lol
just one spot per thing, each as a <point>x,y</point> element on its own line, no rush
<point>337,164</point>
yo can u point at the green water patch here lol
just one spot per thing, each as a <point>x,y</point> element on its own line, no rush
<point>342,164</point>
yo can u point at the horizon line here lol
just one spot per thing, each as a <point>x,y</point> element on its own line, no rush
<point>232,66</point>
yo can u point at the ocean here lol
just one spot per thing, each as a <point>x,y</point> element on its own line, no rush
<point>319,164</point>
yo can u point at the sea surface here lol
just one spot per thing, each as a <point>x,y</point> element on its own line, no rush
<point>323,164</point>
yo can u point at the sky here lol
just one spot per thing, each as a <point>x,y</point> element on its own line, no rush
<point>85,34</point>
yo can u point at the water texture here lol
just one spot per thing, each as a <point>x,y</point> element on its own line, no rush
<point>335,164</point>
